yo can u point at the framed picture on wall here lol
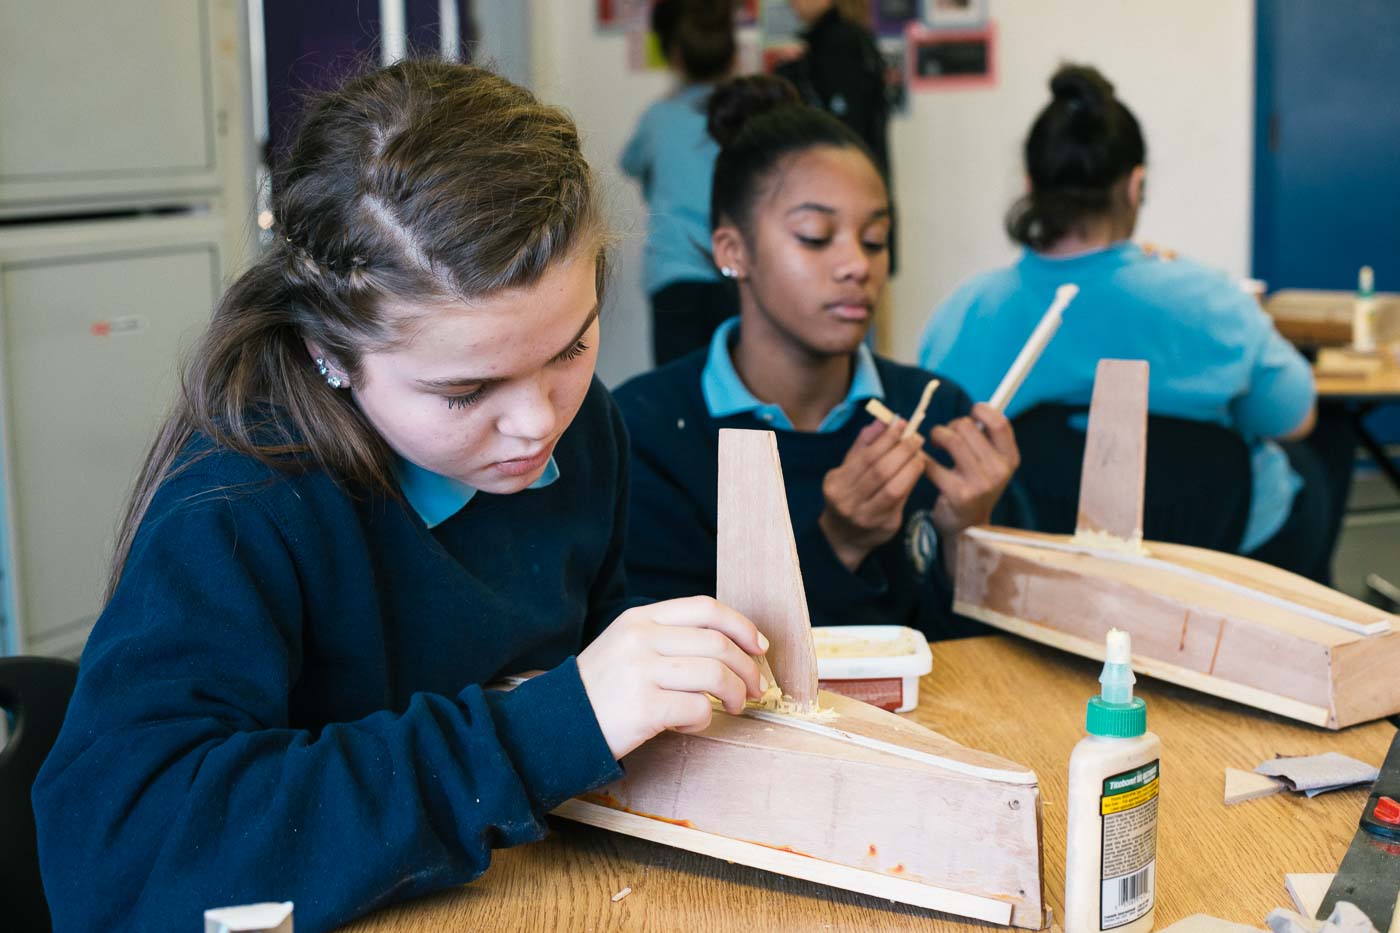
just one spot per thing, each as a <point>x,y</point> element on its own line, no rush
<point>891,17</point>
<point>955,14</point>
<point>745,12</point>
<point>950,59</point>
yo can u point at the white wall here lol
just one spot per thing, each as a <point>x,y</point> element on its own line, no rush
<point>585,70</point>
<point>1185,68</point>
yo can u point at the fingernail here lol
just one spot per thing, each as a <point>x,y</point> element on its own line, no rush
<point>763,641</point>
<point>762,684</point>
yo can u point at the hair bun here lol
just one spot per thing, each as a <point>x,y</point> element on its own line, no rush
<point>737,101</point>
<point>1085,92</point>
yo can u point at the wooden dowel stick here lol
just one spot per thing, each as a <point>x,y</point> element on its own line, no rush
<point>879,411</point>
<point>918,417</point>
<point>1033,348</point>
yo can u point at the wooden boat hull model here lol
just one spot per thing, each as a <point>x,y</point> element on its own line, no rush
<point>857,798</point>
<point>1225,625</point>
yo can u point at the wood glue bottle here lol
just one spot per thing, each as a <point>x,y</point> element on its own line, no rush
<point>1111,849</point>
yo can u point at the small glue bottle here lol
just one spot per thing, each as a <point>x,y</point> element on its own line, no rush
<point>1111,849</point>
<point>1363,318</point>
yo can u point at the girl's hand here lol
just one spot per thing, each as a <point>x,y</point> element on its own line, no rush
<point>984,452</point>
<point>651,668</point>
<point>865,495</point>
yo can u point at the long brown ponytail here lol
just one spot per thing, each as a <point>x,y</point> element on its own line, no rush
<point>422,181</point>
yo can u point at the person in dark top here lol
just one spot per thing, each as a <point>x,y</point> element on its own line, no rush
<point>390,479</point>
<point>843,73</point>
<point>800,220</point>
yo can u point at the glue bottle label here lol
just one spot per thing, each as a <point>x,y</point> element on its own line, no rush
<point>1129,811</point>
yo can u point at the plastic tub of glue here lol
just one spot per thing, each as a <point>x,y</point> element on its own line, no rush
<point>878,664</point>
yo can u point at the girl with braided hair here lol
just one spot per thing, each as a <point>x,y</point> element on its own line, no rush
<point>390,479</point>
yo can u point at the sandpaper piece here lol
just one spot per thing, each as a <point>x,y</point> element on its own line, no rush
<point>1246,785</point>
<point>1319,773</point>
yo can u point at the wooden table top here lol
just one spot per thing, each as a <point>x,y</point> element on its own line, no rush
<point>999,694</point>
<point>1380,386</point>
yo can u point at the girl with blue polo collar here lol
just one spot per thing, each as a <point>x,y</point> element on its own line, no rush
<point>391,478</point>
<point>801,218</point>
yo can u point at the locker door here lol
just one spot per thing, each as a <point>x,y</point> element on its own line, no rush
<point>93,319</point>
<point>111,103</point>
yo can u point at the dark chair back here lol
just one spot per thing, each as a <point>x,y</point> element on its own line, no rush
<point>36,691</point>
<point>1198,477</point>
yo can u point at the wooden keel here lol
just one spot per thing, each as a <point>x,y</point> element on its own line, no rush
<point>1115,452</point>
<point>851,816</point>
<point>1254,650</point>
<point>756,568</point>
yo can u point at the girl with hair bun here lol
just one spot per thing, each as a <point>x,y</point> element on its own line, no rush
<point>390,479</point>
<point>800,220</point>
<point>1214,354</point>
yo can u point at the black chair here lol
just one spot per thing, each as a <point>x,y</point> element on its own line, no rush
<point>1198,479</point>
<point>36,691</point>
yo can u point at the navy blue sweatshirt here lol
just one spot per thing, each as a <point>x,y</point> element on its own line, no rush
<point>671,522</point>
<point>282,700</point>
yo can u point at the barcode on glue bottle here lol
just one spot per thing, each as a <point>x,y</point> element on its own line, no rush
<point>1126,898</point>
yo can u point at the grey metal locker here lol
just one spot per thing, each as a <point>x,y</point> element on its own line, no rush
<point>93,321</point>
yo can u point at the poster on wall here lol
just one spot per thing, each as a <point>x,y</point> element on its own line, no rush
<point>620,15</point>
<point>888,18</point>
<point>945,59</point>
<point>644,51</point>
<point>746,12</point>
<point>955,14</point>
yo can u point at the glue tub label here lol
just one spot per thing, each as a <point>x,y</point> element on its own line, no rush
<point>1129,811</point>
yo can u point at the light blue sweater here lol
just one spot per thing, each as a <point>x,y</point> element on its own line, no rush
<point>1214,353</point>
<point>673,156</point>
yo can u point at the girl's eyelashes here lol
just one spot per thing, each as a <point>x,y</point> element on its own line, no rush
<point>462,401</point>
<point>813,242</point>
<point>474,396</point>
<point>573,352</point>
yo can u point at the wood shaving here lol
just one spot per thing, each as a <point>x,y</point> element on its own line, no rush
<point>621,894</point>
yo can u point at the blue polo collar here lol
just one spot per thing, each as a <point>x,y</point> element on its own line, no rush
<point>436,498</point>
<point>726,395</point>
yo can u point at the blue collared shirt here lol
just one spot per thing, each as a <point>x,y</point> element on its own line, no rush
<point>436,498</point>
<point>726,394</point>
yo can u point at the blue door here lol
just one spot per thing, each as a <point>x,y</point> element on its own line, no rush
<point>1327,143</point>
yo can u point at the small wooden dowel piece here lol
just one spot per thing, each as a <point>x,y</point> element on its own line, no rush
<point>918,417</point>
<point>879,411</point>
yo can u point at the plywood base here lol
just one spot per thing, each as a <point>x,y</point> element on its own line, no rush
<point>847,814</point>
<point>1221,624</point>
<point>781,862</point>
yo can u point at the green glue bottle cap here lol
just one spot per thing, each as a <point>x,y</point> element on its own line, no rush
<point>1115,712</point>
